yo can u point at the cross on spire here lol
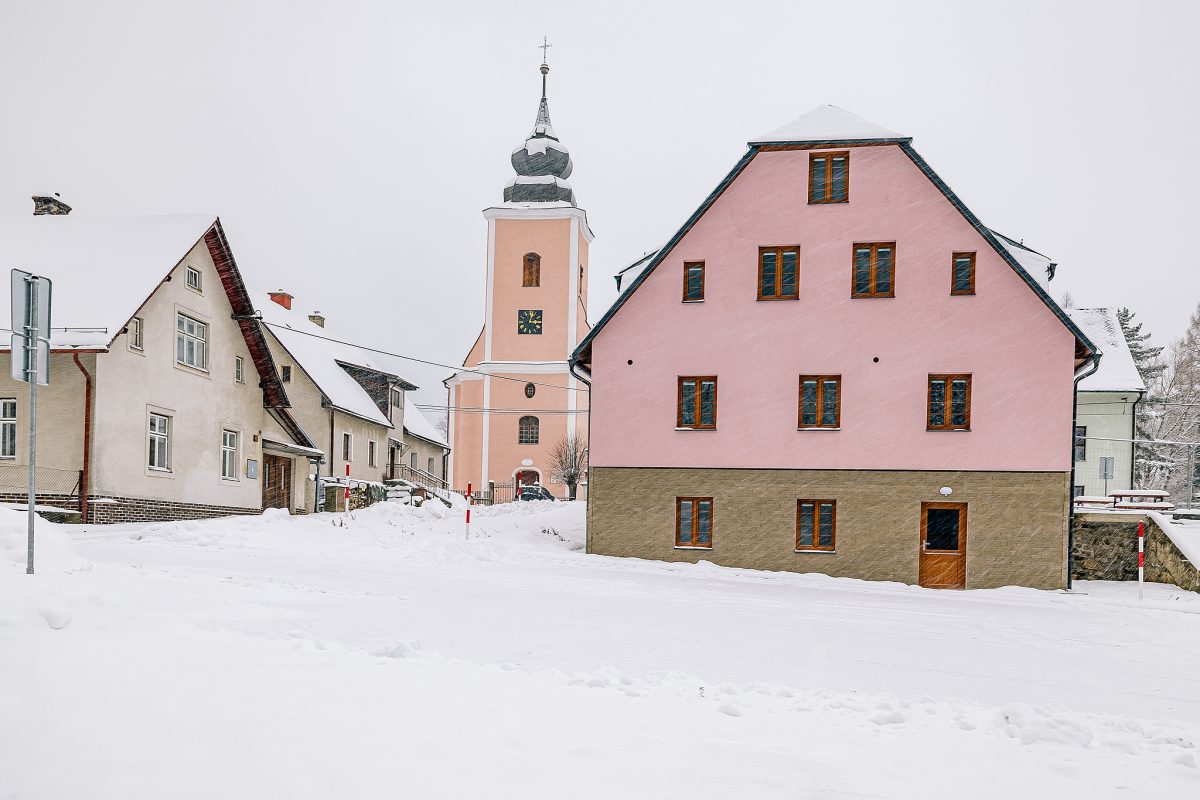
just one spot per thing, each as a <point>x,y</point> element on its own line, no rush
<point>544,46</point>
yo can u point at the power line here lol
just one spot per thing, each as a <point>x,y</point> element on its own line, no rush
<point>481,410</point>
<point>420,360</point>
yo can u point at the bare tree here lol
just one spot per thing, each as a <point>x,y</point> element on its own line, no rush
<point>568,461</point>
<point>1171,413</point>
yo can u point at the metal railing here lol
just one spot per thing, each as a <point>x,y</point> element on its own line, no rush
<point>400,472</point>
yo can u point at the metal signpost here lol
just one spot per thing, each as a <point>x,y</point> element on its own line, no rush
<point>1107,470</point>
<point>31,341</point>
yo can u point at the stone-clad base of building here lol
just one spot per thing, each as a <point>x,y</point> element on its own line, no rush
<point>110,509</point>
<point>1016,521</point>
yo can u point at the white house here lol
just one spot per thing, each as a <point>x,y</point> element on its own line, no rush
<point>425,447</point>
<point>1107,401</point>
<point>351,400</point>
<point>163,401</point>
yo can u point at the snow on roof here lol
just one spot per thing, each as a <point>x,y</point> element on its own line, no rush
<point>828,124</point>
<point>627,276</point>
<point>1033,262</point>
<point>103,267</point>
<point>319,358</point>
<point>416,423</point>
<point>1118,372</point>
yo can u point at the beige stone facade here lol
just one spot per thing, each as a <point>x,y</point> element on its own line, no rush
<point>1016,521</point>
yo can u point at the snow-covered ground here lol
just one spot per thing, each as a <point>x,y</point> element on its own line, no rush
<point>291,657</point>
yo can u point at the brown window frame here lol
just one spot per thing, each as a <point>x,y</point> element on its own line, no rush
<point>712,515</point>
<point>816,546</point>
<point>699,425</point>
<point>778,250</point>
<point>955,292</point>
<point>946,425</point>
<point>820,380</point>
<point>687,266</point>
<point>829,156</point>
<point>531,270</point>
<point>874,248</point>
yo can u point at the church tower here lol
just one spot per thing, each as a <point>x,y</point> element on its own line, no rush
<point>516,399</point>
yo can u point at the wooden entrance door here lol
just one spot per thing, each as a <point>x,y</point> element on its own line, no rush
<point>276,481</point>
<point>943,546</point>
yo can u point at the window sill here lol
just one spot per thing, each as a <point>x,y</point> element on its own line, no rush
<point>766,299</point>
<point>701,300</point>
<point>713,428</point>
<point>817,428</point>
<point>693,547</point>
<point>873,296</point>
<point>189,368</point>
<point>829,202</point>
<point>947,430</point>
<point>799,551</point>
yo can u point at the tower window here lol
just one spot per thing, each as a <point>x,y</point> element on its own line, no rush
<point>530,390</point>
<point>531,274</point>
<point>528,429</point>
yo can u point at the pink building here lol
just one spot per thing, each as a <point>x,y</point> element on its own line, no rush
<point>515,398</point>
<point>833,366</point>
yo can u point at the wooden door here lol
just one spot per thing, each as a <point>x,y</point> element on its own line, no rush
<point>276,481</point>
<point>943,563</point>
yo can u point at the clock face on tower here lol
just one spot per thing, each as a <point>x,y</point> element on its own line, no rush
<point>529,321</point>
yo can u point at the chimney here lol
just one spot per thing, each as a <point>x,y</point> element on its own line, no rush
<point>317,318</point>
<point>283,298</point>
<point>50,204</point>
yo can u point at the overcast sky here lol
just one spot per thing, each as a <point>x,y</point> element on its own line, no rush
<point>349,147</point>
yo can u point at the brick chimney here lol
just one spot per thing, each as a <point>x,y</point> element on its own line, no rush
<point>317,318</point>
<point>50,204</point>
<point>283,298</point>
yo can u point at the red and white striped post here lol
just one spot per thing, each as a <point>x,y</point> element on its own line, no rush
<point>1141,559</point>
<point>346,496</point>
<point>470,501</point>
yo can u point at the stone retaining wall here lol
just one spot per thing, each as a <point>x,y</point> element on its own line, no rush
<point>1106,550</point>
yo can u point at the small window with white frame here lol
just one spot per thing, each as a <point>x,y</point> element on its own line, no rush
<point>160,442</point>
<point>239,369</point>
<point>347,447</point>
<point>229,455</point>
<point>194,279</point>
<point>8,428</point>
<point>372,453</point>
<point>136,336</point>
<point>191,342</point>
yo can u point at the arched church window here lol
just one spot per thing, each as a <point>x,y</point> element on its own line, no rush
<point>530,390</point>
<point>527,430</point>
<point>532,273</point>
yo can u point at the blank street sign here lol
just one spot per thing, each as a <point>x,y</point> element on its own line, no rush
<point>1107,464</point>
<point>30,294</point>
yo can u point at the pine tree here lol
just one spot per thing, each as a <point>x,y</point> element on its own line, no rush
<point>1147,358</point>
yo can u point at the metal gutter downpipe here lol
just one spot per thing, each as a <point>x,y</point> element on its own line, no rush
<point>572,363</point>
<point>1071,489</point>
<point>1133,440</point>
<point>86,476</point>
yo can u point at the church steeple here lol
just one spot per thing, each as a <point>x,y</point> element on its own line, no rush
<point>542,163</point>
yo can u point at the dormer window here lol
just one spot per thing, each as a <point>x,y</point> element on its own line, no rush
<point>193,279</point>
<point>829,177</point>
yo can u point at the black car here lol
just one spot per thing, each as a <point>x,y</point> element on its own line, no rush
<point>534,493</point>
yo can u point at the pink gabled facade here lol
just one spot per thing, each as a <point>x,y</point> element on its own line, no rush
<point>1019,353</point>
<point>1020,350</point>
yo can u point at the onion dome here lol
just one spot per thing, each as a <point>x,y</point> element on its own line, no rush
<point>542,163</point>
